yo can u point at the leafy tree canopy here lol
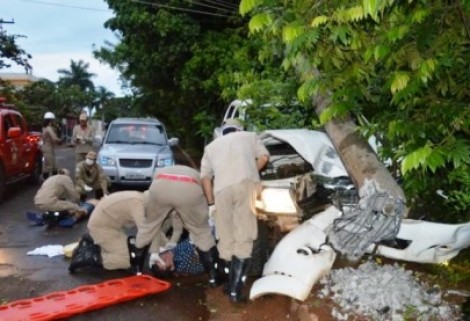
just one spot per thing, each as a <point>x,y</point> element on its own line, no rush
<point>402,66</point>
<point>11,52</point>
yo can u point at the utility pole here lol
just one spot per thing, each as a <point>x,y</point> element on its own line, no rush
<point>3,21</point>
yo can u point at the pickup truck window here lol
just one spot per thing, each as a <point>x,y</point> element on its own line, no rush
<point>142,134</point>
<point>7,124</point>
<point>18,121</point>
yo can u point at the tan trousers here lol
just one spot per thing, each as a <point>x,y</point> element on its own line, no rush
<point>49,161</point>
<point>57,206</point>
<point>188,200</point>
<point>113,242</point>
<point>235,223</point>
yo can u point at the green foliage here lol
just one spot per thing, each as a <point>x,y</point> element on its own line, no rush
<point>403,65</point>
<point>182,64</point>
<point>77,75</point>
<point>203,122</point>
<point>459,195</point>
<point>11,52</point>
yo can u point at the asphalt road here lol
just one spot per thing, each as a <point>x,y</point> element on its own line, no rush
<point>24,276</point>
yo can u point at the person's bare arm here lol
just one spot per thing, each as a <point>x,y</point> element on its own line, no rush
<point>262,161</point>
<point>206,183</point>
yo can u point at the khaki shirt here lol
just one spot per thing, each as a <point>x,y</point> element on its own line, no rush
<point>57,187</point>
<point>83,138</point>
<point>49,138</point>
<point>231,159</point>
<point>92,176</point>
<point>119,210</point>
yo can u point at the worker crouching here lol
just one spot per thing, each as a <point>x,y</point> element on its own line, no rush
<point>89,176</point>
<point>58,201</point>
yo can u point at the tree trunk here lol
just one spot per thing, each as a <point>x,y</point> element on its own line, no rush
<point>381,207</point>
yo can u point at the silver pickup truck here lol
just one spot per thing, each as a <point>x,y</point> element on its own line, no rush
<point>133,148</point>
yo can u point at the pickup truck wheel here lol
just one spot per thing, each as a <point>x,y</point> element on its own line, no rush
<point>35,177</point>
<point>261,250</point>
<point>3,182</point>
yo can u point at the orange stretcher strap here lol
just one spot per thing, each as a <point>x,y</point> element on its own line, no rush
<point>60,305</point>
<point>178,178</point>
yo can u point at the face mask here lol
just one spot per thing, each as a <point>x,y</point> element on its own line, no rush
<point>89,162</point>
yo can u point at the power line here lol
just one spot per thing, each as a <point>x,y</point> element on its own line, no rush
<point>179,9</point>
<point>209,6</point>
<point>64,5</point>
<point>223,3</point>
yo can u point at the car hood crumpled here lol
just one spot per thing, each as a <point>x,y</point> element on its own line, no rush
<point>314,146</point>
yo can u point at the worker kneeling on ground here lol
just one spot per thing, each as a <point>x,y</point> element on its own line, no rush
<point>59,201</point>
<point>107,243</point>
<point>89,176</point>
<point>176,188</point>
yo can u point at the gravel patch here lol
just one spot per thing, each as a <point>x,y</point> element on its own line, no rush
<point>385,293</point>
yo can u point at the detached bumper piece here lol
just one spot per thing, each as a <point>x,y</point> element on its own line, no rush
<point>61,305</point>
<point>300,259</point>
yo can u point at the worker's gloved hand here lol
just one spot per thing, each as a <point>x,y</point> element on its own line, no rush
<point>87,188</point>
<point>155,259</point>
<point>211,211</point>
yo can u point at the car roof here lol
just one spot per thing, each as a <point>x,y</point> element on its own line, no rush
<point>136,120</point>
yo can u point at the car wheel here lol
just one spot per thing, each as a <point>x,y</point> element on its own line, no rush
<point>36,175</point>
<point>261,250</point>
<point>2,182</point>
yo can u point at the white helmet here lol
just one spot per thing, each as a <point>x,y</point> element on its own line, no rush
<point>49,115</point>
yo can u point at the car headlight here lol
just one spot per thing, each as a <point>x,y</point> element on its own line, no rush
<point>164,162</point>
<point>107,161</point>
<point>276,200</point>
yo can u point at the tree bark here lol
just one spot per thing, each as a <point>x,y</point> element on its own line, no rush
<point>360,161</point>
<point>381,206</point>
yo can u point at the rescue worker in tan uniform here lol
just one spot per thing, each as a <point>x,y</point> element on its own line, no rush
<point>82,138</point>
<point>107,243</point>
<point>89,176</point>
<point>230,178</point>
<point>179,188</point>
<point>50,140</point>
<point>57,197</point>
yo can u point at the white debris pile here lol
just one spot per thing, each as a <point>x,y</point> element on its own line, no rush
<point>384,292</point>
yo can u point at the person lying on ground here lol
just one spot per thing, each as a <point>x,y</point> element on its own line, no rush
<point>181,260</point>
<point>175,188</point>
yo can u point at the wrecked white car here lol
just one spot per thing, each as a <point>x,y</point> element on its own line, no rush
<point>304,176</point>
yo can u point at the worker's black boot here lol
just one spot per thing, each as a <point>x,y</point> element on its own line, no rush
<point>51,218</point>
<point>210,260</point>
<point>99,194</point>
<point>237,278</point>
<point>136,256</point>
<point>225,272</point>
<point>86,255</point>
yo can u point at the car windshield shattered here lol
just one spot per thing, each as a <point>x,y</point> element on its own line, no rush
<point>137,134</point>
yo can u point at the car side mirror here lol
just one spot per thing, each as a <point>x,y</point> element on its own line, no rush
<point>14,132</point>
<point>173,141</point>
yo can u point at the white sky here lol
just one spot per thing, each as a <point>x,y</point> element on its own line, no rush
<point>58,31</point>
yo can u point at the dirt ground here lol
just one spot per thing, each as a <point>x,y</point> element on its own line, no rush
<point>314,308</point>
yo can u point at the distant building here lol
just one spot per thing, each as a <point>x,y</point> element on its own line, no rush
<point>18,80</point>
